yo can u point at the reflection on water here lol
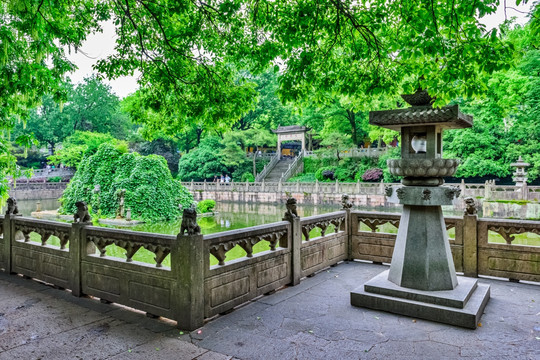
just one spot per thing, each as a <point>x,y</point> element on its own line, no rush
<point>229,216</point>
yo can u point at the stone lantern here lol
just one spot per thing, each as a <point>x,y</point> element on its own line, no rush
<point>520,175</point>
<point>422,281</point>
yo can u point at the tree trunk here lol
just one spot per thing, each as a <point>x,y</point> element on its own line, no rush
<point>255,161</point>
<point>351,116</point>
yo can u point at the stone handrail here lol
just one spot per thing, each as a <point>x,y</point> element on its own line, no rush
<point>190,289</point>
<point>296,167</point>
<point>268,167</point>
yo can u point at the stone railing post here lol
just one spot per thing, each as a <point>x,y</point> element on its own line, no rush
<point>262,186</point>
<point>297,186</point>
<point>191,187</point>
<point>381,188</point>
<point>247,186</point>
<point>296,246</point>
<point>337,187</point>
<point>9,235</point>
<point>348,229</point>
<point>187,266</point>
<point>78,249</point>
<point>358,187</point>
<point>463,188</point>
<point>279,186</point>
<point>316,186</point>
<point>524,191</point>
<point>487,190</point>
<point>204,185</point>
<point>470,244</point>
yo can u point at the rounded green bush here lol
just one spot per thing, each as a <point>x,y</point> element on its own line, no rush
<point>151,191</point>
<point>206,206</point>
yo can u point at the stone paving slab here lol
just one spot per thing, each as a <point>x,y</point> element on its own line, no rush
<point>313,320</point>
<point>40,322</point>
<point>319,322</point>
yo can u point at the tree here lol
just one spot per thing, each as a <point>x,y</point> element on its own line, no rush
<point>49,124</point>
<point>33,39</point>
<point>94,107</point>
<point>205,162</point>
<point>335,142</point>
<point>81,144</point>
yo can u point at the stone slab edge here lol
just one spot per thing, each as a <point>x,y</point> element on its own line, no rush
<point>453,298</point>
<point>468,317</point>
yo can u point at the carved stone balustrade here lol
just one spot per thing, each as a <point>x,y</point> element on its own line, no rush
<point>44,228</point>
<point>220,243</point>
<point>131,242</point>
<point>337,219</point>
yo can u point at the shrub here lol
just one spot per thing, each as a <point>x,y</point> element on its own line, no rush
<point>373,175</point>
<point>343,174</point>
<point>206,206</point>
<point>319,174</point>
<point>151,192</point>
<point>54,179</point>
<point>247,177</point>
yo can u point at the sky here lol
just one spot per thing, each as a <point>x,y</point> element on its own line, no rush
<point>100,45</point>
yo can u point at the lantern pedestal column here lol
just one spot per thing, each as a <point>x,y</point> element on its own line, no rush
<point>422,281</point>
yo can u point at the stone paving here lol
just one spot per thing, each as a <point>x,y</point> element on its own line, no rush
<point>313,320</point>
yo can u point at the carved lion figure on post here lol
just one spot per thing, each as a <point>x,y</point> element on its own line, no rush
<point>346,203</point>
<point>470,206</point>
<point>291,212</point>
<point>12,208</point>
<point>82,215</point>
<point>189,222</point>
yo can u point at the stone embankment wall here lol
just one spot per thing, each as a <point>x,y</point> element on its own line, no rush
<point>37,191</point>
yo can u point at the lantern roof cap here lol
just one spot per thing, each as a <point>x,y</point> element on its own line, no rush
<point>520,163</point>
<point>448,117</point>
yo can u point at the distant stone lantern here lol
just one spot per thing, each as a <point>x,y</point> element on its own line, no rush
<point>520,175</point>
<point>422,279</point>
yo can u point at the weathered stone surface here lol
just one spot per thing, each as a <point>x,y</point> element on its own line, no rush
<point>422,259</point>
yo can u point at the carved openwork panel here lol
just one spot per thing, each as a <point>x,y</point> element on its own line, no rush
<point>322,222</point>
<point>45,229</point>
<point>220,244</point>
<point>375,220</point>
<point>508,232</point>
<point>131,242</point>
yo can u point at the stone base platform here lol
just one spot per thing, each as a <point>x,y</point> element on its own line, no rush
<point>462,306</point>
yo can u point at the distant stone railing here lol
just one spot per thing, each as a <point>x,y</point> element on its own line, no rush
<point>191,289</point>
<point>356,152</point>
<point>487,191</point>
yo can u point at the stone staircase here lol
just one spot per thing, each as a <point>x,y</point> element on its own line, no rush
<point>275,174</point>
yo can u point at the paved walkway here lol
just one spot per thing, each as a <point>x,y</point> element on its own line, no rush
<point>313,320</point>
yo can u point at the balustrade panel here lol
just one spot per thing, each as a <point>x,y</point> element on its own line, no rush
<point>146,287</point>
<point>231,283</point>
<point>328,246</point>
<point>39,259</point>
<point>509,258</point>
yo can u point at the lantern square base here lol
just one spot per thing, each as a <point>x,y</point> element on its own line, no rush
<point>462,306</point>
